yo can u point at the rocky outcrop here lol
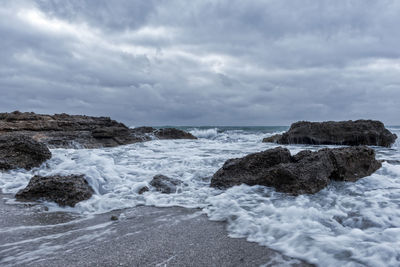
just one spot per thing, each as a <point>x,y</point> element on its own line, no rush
<point>63,130</point>
<point>64,190</point>
<point>19,151</point>
<point>172,133</point>
<point>272,139</point>
<point>304,173</point>
<point>165,184</point>
<point>66,131</point>
<point>149,133</point>
<point>352,133</point>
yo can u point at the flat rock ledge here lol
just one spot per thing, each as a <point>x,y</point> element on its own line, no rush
<point>79,131</point>
<point>64,190</point>
<point>352,133</point>
<point>304,173</point>
<point>19,151</point>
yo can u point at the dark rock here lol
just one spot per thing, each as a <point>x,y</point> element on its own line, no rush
<point>143,190</point>
<point>18,151</point>
<point>149,133</point>
<point>272,139</point>
<point>165,184</point>
<point>352,133</point>
<point>172,133</point>
<point>64,190</point>
<point>248,169</point>
<point>114,218</point>
<point>305,173</point>
<point>63,130</point>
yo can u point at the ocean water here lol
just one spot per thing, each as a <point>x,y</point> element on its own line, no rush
<point>347,224</point>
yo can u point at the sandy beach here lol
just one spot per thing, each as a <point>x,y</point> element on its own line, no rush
<point>142,236</point>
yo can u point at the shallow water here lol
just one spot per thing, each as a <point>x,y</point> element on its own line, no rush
<point>351,224</point>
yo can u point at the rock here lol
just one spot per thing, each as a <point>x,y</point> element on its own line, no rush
<point>64,190</point>
<point>65,131</point>
<point>143,190</point>
<point>272,139</point>
<point>305,173</point>
<point>352,133</point>
<point>172,133</point>
<point>165,184</point>
<point>248,169</point>
<point>114,218</point>
<point>150,133</point>
<point>18,151</point>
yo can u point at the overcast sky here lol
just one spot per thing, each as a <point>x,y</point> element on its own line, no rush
<point>205,62</point>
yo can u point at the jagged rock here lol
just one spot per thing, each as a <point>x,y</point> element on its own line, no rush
<point>64,190</point>
<point>305,173</point>
<point>18,151</point>
<point>165,184</point>
<point>352,133</point>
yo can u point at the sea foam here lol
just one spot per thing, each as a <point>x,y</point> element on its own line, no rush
<point>349,224</point>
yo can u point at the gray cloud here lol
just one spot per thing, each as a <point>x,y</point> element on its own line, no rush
<point>202,62</point>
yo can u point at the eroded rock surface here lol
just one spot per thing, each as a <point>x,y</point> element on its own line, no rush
<point>19,151</point>
<point>304,173</point>
<point>78,131</point>
<point>64,190</point>
<point>352,133</point>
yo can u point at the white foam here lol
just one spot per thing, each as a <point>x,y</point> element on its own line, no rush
<point>348,224</point>
<point>205,133</point>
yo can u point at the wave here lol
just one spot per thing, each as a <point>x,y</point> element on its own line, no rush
<point>205,133</point>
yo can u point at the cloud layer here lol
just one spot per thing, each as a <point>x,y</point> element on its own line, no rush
<point>202,62</point>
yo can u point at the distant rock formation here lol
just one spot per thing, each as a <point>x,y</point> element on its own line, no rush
<point>76,131</point>
<point>64,190</point>
<point>19,151</point>
<point>165,184</point>
<point>304,173</point>
<point>352,133</point>
<point>148,133</point>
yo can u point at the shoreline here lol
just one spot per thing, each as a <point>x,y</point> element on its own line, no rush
<point>142,236</point>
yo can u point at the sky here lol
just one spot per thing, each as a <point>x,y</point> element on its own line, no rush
<point>202,62</point>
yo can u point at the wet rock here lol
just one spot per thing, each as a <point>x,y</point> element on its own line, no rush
<point>64,131</point>
<point>248,169</point>
<point>165,184</point>
<point>305,173</point>
<point>19,151</point>
<point>143,190</point>
<point>352,133</point>
<point>64,190</point>
<point>272,139</point>
<point>150,133</point>
<point>172,133</point>
<point>114,218</point>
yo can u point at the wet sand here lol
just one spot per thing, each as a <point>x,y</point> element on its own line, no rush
<point>142,236</point>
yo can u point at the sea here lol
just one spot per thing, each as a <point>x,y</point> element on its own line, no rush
<point>345,224</point>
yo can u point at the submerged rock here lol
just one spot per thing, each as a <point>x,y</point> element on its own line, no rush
<point>165,184</point>
<point>18,151</point>
<point>352,133</point>
<point>64,190</point>
<point>305,173</point>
